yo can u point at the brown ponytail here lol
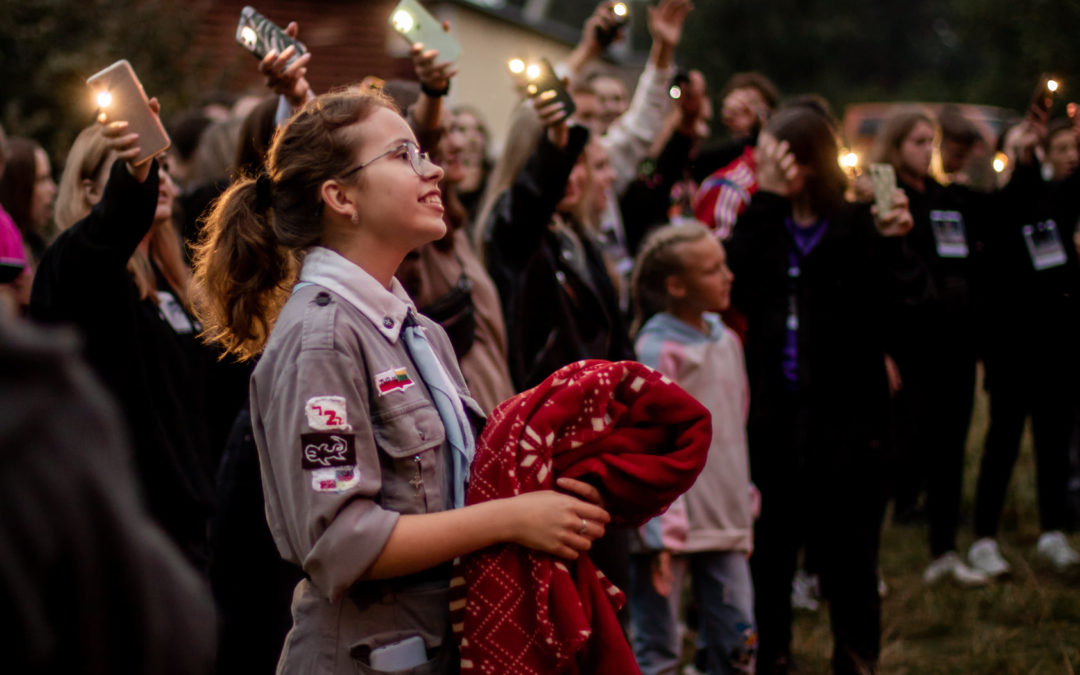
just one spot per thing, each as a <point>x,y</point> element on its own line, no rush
<point>656,261</point>
<point>247,258</point>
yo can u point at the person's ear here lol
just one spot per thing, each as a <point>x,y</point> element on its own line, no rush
<point>337,199</point>
<point>675,286</point>
<point>91,192</point>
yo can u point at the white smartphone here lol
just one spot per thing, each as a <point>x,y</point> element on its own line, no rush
<point>120,97</point>
<point>416,24</point>
<point>408,653</point>
<point>883,176</point>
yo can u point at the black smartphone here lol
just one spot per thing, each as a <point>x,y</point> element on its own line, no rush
<point>540,83</point>
<point>1045,91</point>
<point>120,98</point>
<point>678,84</point>
<point>260,35</point>
<point>620,14</point>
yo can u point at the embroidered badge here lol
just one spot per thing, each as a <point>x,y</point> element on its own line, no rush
<point>327,412</point>
<point>321,451</point>
<point>393,380</point>
<point>336,479</point>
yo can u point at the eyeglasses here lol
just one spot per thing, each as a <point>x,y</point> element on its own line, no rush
<point>417,159</point>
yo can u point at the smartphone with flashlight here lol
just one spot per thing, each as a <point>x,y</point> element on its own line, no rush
<point>883,177</point>
<point>541,84</point>
<point>120,97</point>
<point>1045,91</point>
<point>620,16</point>
<point>678,85</point>
<point>260,35</point>
<point>417,25</point>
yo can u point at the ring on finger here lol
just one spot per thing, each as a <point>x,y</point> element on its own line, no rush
<point>584,526</point>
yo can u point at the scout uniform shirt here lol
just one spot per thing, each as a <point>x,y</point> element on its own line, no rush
<point>348,439</point>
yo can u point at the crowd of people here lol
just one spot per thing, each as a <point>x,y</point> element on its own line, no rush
<point>304,312</point>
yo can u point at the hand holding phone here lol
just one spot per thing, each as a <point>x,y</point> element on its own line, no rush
<point>618,17</point>
<point>120,98</point>
<point>414,23</point>
<point>260,36</point>
<point>1045,91</point>
<point>540,83</point>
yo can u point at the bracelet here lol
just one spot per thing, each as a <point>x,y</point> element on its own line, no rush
<point>435,93</point>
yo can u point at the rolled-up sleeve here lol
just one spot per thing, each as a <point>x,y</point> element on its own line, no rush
<point>319,461</point>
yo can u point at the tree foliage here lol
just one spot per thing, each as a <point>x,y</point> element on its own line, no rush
<point>49,47</point>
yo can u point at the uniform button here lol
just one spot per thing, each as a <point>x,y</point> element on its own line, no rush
<point>388,322</point>
<point>560,276</point>
<point>322,299</point>
<point>567,255</point>
<point>421,434</point>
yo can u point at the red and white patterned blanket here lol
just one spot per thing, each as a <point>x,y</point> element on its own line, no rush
<point>623,427</point>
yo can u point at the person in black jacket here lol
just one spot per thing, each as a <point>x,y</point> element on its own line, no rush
<point>816,276</point>
<point>934,343</point>
<point>1031,270</point>
<point>119,277</point>
<point>558,297</point>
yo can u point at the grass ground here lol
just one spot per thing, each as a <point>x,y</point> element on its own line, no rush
<point>1029,624</point>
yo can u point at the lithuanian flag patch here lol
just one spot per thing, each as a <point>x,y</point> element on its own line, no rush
<point>393,380</point>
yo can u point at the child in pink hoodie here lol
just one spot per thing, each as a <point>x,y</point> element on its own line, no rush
<point>681,279</point>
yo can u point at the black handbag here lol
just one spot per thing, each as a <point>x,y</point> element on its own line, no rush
<point>454,311</point>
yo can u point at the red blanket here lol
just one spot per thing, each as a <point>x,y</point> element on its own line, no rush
<point>622,427</point>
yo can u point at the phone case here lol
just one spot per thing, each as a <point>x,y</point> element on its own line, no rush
<point>547,87</point>
<point>259,35</point>
<point>416,24</point>
<point>129,104</point>
<point>408,653</point>
<point>883,177</point>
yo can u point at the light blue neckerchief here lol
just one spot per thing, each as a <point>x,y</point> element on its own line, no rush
<point>447,402</point>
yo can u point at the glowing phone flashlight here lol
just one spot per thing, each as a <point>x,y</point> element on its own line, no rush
<point>1052,85</point>
<point>675,92</point>
<point>104,99</point>
<point>532,72</point>
<point>403,21</point>
<point>619,9</point>
<point>1001,161</point>
<point>516,66</point>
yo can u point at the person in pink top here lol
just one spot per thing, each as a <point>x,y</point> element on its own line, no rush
<point>681,279</point>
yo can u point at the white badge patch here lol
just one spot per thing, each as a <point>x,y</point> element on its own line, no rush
<point>335,479</point>
<point>170,310</point>
<point>949,233</point>
<point>327,412</point>
<point>1044,245</point>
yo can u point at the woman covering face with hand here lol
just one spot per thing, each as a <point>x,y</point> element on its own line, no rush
<point>361,416</point>
<point>816,278</point>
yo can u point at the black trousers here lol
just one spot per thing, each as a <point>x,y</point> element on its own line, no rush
<point>1039,389</point>
<point>833,503</point>
<point>931,420</point>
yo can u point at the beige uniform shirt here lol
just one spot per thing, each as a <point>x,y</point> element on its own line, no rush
<point>348,439</point>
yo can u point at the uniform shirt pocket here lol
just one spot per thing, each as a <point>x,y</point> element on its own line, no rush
<point>409,437</point>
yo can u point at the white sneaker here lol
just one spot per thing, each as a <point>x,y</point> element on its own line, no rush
<point>985,557</point>
<point>1055,548</point>
<point>805,591</point>
<point>950,565</point>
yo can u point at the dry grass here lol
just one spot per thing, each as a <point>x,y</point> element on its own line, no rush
<point>1029,624</point>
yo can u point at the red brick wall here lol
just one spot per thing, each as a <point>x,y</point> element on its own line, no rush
<point>347,41</point>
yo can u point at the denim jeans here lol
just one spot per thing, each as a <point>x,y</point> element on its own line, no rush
<point>725,596</point>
